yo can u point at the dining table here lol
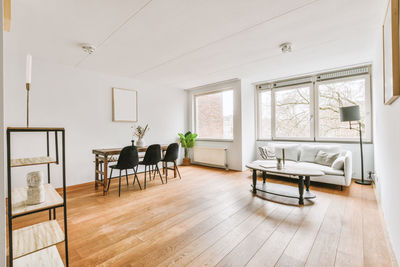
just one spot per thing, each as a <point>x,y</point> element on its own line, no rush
<point>103,157</point>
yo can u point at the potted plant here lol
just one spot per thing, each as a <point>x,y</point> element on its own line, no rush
<point>187,141</point>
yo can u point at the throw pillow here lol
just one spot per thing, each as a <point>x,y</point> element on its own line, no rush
<point>291,151</point>
<point>267,152</point>
<point>338,164</point>
<point>325,158</point>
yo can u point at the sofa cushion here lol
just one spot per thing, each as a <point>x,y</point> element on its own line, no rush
<point>338,164</point>
<point>308,152</point>
<point>325,169</point>
<point>325,158</point>
<point>291,151</point>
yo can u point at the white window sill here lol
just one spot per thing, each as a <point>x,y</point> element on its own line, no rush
<point>368,141</point>
<point>214,140</point>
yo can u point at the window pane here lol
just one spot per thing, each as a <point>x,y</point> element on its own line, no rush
<point>292,112</point>
<point>334,95</point>
<point>265,115</point>
<point>214,115</point>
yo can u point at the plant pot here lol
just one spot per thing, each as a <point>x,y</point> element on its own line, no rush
<point>186,161</point>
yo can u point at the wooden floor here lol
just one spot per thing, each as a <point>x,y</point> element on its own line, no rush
<point>210,217</point>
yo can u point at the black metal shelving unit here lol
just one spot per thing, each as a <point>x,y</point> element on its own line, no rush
<point>41,246</point>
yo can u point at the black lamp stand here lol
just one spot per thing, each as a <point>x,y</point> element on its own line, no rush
<point>362,181</point>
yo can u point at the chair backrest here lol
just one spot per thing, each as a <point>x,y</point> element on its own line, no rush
<point>128,158</point>
<point>153,155</point>
<point>172,152</point>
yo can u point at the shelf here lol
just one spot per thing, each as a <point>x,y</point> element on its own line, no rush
<point>19,196</point>
<point>36,237</point>
<point>32,161</point>
<point>48,257</point>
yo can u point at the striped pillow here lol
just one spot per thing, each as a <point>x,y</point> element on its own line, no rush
<point>267,152</point>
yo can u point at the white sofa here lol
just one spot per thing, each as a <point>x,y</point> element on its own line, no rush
<point>303,155</point>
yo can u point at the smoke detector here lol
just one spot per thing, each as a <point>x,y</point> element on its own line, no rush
<point>88,48</point>
<point>286,47</point>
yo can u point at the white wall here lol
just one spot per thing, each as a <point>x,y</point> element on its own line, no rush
<point>248,123</point>
<point>387,149</point>
<point>81,102</point>
<point>234,147</point>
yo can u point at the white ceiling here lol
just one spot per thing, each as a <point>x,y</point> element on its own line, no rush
<point>185,43</point>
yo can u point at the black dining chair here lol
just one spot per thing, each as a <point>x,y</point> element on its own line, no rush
<point>171,156</point>
<point>151,158</point>
<point>128,159</point>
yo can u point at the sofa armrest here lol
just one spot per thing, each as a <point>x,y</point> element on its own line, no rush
<point>348,167</point>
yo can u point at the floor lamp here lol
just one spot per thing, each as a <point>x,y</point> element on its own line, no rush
<point>352,113</point>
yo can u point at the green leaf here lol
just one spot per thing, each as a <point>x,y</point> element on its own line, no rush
<point>188,139</point>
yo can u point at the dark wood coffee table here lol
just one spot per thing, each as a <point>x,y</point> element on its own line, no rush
<point>302,174</point>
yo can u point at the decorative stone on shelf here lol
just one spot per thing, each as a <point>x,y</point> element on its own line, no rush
<point>35,192</point>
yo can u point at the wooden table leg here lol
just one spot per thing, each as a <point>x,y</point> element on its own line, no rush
<point>301,190</point>
<point>308,183</point>
<point>105,180</point>
<point>254,181</point>
<point>96,175</point>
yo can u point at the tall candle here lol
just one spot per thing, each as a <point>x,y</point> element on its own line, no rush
<point>28,68</point>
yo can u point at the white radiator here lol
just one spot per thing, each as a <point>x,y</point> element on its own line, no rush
<point>210,156</point>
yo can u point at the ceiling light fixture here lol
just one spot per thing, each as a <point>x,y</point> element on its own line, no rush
<point>88,48</point>
<point>286,47</point>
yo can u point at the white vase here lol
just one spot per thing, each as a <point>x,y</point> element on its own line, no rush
<point>140,142</point>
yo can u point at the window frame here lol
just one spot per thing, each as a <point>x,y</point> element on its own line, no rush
<point>194,112</point>
<point>368,110</point>
<point>314,111</point>
<point>273,113</point>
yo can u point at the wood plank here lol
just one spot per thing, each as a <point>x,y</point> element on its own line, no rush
<point>32,161</point>
<point>177,235</point>
<point>19,197</point>
<point>213,254</point>
<point>244,251</point>
<point>375,248</point>
<point>270,252</point>
<point>194,248</point>
<point>48,257</point>
<point>300,246</point>
<point>326,242</point>
<point>188,217</point>
<point>350,247</point>
<point>36,237</point>
<point>7,15</point>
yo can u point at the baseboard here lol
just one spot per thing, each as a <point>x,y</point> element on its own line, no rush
<point>210,165</point>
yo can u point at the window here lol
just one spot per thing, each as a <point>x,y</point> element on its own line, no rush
<point>214,115</point>
<point>307,108</point>
<point>264,120</point>
<point>292,113</point>
<point>337,93</point>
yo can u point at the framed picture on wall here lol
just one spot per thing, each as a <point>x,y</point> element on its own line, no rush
<point>124,105</point>
<point>391,68</point>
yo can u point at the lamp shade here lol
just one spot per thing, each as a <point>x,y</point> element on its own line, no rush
<point>351,113</point>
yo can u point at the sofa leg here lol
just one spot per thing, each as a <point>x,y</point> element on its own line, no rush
<point>341,188</point>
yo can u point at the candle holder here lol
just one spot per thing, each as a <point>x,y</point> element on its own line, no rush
<point>28,86</point>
